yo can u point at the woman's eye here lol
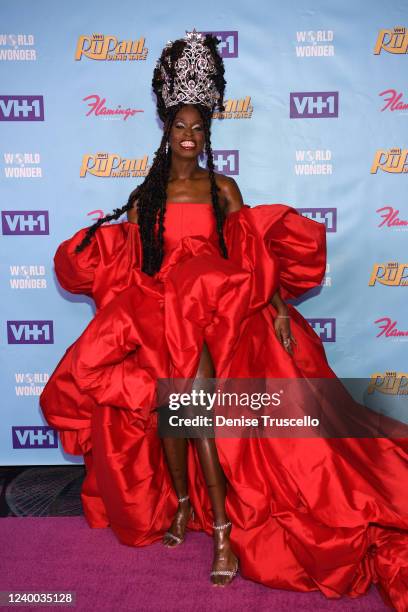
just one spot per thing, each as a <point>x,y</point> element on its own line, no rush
<point>195,127</point>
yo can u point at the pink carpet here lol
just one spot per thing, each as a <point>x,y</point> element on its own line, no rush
<point>57,554</point>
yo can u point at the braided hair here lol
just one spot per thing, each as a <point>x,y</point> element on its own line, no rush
<point>151,194</point>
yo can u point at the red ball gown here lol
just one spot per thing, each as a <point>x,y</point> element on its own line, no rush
<point>328,514</point>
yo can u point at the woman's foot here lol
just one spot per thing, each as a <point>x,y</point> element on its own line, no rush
<point>225,564</point>
<point>175,535</point>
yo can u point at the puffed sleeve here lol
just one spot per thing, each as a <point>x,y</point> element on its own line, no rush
<point>75,271</point>
<point>298,243</point>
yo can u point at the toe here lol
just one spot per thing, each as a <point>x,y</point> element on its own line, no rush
<point>167,541</point>
<point>215,580</point>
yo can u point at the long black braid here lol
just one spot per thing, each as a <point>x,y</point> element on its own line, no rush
<point>219,216</point>
<point>151,195</point>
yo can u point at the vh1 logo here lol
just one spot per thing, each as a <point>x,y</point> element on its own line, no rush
<point>324,328</point>
<point>228,45</point>
<point>30,332</point>
<point>33,436</point>
<point>24,222</point>
<point>327,216</point>
<point>225,162</point>
<point>21,108</point>
<point>314,104</point>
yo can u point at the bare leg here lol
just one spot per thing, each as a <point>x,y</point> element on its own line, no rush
<point>176,454</point>
<point>224,558</point>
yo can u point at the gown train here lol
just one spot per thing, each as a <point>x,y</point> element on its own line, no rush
<point>328,514</point>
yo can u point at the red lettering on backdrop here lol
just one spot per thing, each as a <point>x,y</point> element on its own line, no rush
<point>389,328</point>
<point>390,217</point>
<point>393,100</point>
<point>97,106</point>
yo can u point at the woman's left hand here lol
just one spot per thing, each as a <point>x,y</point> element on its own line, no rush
<point>283,332</point>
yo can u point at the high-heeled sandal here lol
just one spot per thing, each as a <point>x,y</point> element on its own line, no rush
<point>171,535</point>
<point>231,573</point>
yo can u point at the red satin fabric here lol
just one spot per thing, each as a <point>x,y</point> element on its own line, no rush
<point>308,514</point>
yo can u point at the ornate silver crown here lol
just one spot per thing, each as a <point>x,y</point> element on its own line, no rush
<point>192,83</point>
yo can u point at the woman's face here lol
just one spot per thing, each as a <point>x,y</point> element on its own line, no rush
<point>187,133</point>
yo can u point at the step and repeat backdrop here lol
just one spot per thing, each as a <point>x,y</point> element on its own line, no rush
<point>316,117</point>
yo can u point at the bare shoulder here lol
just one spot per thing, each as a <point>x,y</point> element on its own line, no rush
<point>230,193</point>
<point>132,213</point>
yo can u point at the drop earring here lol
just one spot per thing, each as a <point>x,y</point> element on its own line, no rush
<point>167,147</point>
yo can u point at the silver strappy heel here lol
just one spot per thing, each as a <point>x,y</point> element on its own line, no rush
<point>171,535</point>
<point>230,573</point>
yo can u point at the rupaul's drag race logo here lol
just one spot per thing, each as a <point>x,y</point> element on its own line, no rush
<point>314,43</point>
<point>17,47</point>
<point>389,329</point>
<point>390,383</point>
<point>392,41</point>
<point>394,160</point>
<point>98,108</point>
<point>110,165</point>
<point>392,274</point>
<point>393,101</point>
<point>310,162</point>
<point>390,218</point>
<point>108,48</point>
<point>236,109</point>
<point>22,165</point>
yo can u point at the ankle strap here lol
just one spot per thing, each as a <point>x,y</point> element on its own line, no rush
<point>224,526</point>
<point>185,498</point>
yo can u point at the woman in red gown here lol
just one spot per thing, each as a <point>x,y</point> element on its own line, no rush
<point>199,296</point>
